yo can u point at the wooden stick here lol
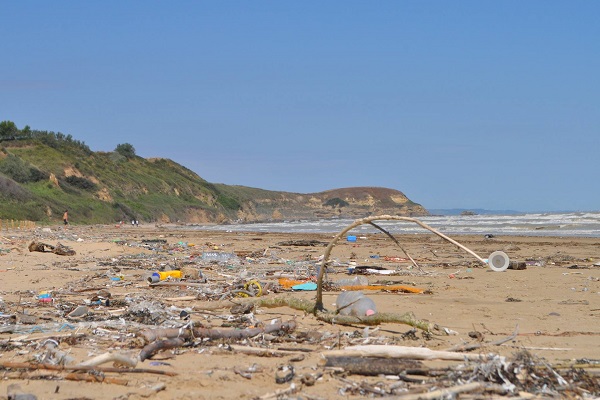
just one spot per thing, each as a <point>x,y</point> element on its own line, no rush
<point>95,378</point>
<point>281,393</point>
<point>407,318</point>
<point>416,353</point>
<point>373,366</point>
<point>149,350</point>
<point>30,366</point>
<point>110,357</point>
<point>181,298</point>
<point>443,393</point>
<point>262,352</point>
<point>402,288</point>
<point>398,243</point>
<point>469,347</point>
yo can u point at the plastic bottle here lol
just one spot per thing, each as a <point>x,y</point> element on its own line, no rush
<point>364,307</point>
<point>217,256</point>
<point>358,280</point>
<point>355,303</point>
<point>162,275</point>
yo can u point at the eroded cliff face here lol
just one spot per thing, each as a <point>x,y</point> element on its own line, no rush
<point>355,202</point>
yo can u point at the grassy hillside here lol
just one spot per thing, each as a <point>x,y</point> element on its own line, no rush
<point>40,179</point>
<point>44,173</point>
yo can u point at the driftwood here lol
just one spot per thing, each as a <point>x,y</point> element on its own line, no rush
<point>262,352</point>
<point>309,307</point>
<point>176,338</point>
<point>399,288</point>
<point>398,243</point>
<point>281,393</point>
<point>96,378</point>
<point>473,346</point>
<point>369,220</point>
<point>373,366</point>
<point>402,352</point>
<point>308,243</point>
<point>407,318</point>
<point>52,367</point>
<point>151,349</point>
<point>444,393</point>
<point>150,335</point>
<point>110,357</point>
<point>59,249</point>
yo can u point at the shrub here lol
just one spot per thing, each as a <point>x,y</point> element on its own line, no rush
<point>81,183</point>
<point>228,202</point>
<point>15,168</point>
<point>9,189</point>
<point>35,175</point>
<point>126,150</point>
<point>336,202</point>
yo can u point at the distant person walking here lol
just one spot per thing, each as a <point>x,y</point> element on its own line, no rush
<point>66,217</point>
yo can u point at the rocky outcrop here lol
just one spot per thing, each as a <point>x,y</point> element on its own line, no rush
<point>355,202</point>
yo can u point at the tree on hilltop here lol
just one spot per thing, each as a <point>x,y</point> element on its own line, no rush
<point>8,130</point>
<point>126,150</point>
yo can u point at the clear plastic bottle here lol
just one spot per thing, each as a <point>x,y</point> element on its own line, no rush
<point>355,303</point>
<point>364,307</point>
<point>358,280</point>
<point>217,256</point>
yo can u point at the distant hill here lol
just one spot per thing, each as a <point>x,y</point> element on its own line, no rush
<point>44,173</point>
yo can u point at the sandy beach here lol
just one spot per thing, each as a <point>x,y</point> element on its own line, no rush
<point>553,305</point>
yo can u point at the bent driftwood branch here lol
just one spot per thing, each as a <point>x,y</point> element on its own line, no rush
<point>308,306</point>
<point>398,243</point>
<point>369,220</point>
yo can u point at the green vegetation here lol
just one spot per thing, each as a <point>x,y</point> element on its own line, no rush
<point>336,202</point>
<point>126,150</point>
<point>43,173</point>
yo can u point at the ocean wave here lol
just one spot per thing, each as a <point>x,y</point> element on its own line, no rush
<point>584,224</point>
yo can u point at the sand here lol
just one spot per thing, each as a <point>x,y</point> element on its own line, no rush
<point>554,303</point>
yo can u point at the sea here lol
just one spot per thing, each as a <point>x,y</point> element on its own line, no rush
<point>564,224</point>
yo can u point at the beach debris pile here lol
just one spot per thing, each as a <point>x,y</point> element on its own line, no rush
<point>126,319</point>
<point>59,249</point>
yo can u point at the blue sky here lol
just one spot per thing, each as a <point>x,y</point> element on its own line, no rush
<point>471,104</point>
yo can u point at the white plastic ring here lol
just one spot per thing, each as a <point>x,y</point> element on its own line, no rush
<point>498,261</point>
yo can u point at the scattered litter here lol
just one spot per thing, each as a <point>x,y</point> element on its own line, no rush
<point>155,299</point>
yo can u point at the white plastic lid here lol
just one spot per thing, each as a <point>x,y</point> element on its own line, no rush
<point>498,261</point>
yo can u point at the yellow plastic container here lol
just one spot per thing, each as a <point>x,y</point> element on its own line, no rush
<point>162,275</point>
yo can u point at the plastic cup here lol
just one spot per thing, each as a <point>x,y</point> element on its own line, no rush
<point>498,261</point>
